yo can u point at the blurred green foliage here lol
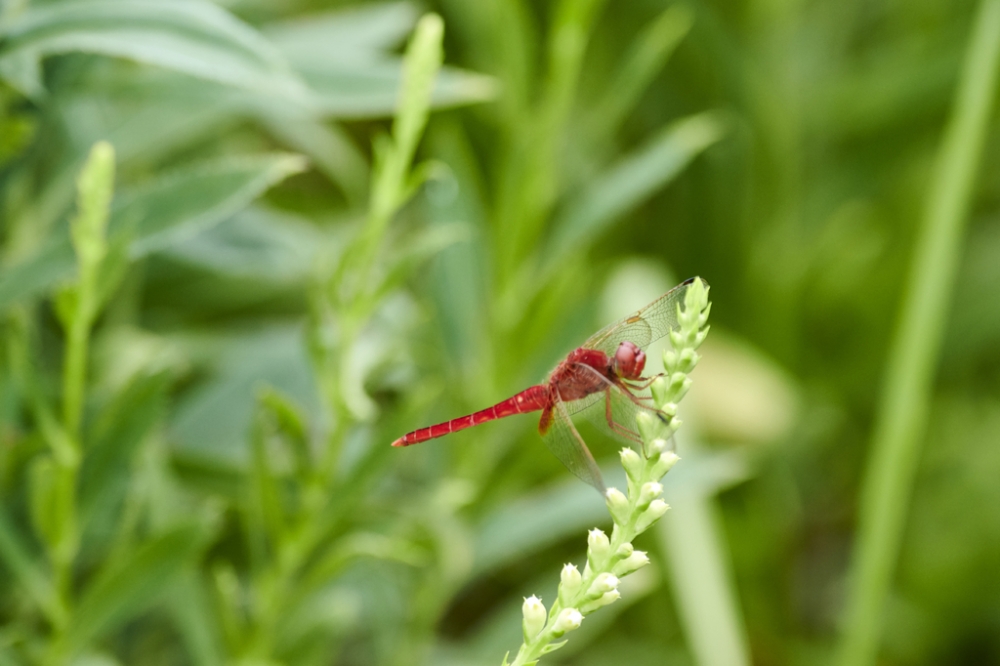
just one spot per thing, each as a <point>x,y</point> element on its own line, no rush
<point>290,278</point>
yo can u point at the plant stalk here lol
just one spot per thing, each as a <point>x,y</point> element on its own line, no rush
<point>903,412</point>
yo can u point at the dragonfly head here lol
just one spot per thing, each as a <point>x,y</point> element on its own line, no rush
<point>629,360</point>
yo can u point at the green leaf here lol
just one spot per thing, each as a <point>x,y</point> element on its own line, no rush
<point>211,422</point>
<point>23,72</point>
<point>326,144</point>
<point>649,53</point>
<point>418,249</point>
<point>23,564</point>
<point>170,209</point>
<point>181,205</point>
<point>119,431</point>
<point>267,513</point>
<point>346,58</point>
<point>351,547</point>
<point>131,585</point>
<point>114,267</point>
<point>371,90</point>
<point>366,32</point>
<point>628,183</point>
<point>258,244</point>
<point>42,487</point>
<point>290,421</point>
<point>53,510</point>
<point>191,610</point>
<point>65,303</point>
<point>190,36</point>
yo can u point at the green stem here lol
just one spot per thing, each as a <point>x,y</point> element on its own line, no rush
<point>75,361</point>
<point>903,411</point>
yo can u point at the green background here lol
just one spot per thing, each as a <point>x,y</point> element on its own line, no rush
<point>281,318</point>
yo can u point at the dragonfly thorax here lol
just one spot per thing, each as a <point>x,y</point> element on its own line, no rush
<point>629,360</point>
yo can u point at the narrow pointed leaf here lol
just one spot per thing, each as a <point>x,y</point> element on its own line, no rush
<point>630,182</point>
<point>191,36</point>
<point>121,591</point>
<point>170,209</point>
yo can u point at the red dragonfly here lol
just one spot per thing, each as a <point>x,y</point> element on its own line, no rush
<point>601,380</point>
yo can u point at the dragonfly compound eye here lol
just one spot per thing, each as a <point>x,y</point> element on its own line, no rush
<point>629,360</point>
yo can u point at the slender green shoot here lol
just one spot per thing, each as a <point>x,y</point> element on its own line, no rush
<point>79,304</point>
<point>393,181</point>
<point>54,480</point>
<point>903,412</point>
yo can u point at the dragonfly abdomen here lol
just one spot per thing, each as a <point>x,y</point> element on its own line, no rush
<point>529,400</point>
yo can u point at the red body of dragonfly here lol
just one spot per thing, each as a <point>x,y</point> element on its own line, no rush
<point>602,379</point>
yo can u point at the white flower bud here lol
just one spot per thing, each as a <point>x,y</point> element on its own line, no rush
<point>677,340</point>
<point>660,389</point>
<point>696,296</point>
<point>700,338</point>
<point>688,359</point>
<point>624,550</point>
<point>603,600</point>
<point>632,463</point>
<point>598,548</point>
<point>650,427</point>
<point>604,583</point>
<point>633,562</point>
<point>669,361</point>
<point>657,447</point>
<point>534,617</point>
<point>664,462</point>
<point>680,384</point>
<point>569,583</point>
<point>703,318</point>
<point>568,620</point>
<point>617,505</point>
<point>648,493</point>
<point>656,509</point>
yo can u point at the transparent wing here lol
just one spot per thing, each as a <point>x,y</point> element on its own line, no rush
<point>565,443</point>
<point>614,409</point>
<point>642,327</point>
<point>582,404</point>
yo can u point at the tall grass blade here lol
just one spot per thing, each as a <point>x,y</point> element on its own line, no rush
<point>902,416</point>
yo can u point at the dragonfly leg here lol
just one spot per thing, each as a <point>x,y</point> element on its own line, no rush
<point>617,427</point>
<point>644,382</point>
<point>638,400</point>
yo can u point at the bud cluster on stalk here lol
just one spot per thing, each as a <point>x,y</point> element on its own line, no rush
<point>609,559</point>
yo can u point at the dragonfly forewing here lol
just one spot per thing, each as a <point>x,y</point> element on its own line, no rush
<point>644,326</point>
